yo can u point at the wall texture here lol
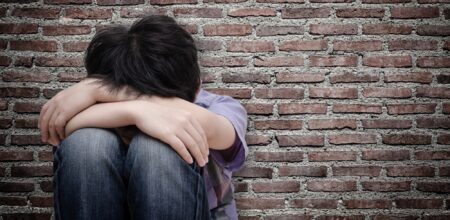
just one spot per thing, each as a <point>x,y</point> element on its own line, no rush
<point>348,100</point>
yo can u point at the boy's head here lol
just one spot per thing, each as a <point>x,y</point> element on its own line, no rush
<point>155,56</point>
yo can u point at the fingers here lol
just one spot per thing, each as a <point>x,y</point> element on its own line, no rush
<point>199,141</point>
<point>44,122</point>
<point>192,146</point>
<point>60,122</point>
<point>179,147</point>
<point>200,130</point>
<point>52,128</point>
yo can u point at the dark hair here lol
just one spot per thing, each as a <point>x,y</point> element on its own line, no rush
<point>155,56</point>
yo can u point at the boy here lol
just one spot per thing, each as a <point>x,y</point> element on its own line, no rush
<point>177,164</point>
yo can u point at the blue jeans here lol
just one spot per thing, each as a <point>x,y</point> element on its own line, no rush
<point>97,176</point>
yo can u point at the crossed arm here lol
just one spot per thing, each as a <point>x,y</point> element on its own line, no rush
<point>188,128</point>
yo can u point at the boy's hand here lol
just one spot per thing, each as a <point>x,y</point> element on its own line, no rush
<point>62,107</point>
<point>176,127</point>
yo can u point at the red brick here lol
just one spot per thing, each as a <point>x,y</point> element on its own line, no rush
<point>278,124</point>
<point>120,2</point>
<point>300,140</point>
<point>303,45</point>
<point>16,155</point>
<point>411,170</point>
<point>333,29</point>
<point>314,203</point>
<point>198,12</point>
<point>355,138</point>
<point>387,61</point>
<point>287,13</point>
<point>386,28</point>
<point>286,77</point>
<point>276,187</point>
<point>227,29</point>
<point>138,12</point>
<point>356,170</point>
<point>257,139</point>
<point>386,186</point>
<point>281,1</point>
<point>34,45</point>
<point>432,155</point>
<point>27,107</point>
<point>31,171</point>
<point>397,154</point>
<point>41,201</point>
<point>278,61</point>
<point>21,186</point>
<point>250,46</point>
<point>67,2</point>
<point>411,108</point>
<point>316,171</point>
<point>338,123</point>
<point>383,92</point>
<point>433,92</point>
<point>15,76</point>
<point>208,45</point>
<point>24,61</point>
<point>314,156</point>
<point>65,30</point>
<point>433,30</point>
<point>19,92</point>
<point>433,62</point>
<point>415,77</point>
<point>240,187</point>
<point>249,11</point>
<point>357,108</point>
<point>412,45</point>
<point>362,45</point>
<point>331,185</point>
<point>253,172</point>
<point>302,108</point>
<point>415,12</point>
<point>3,105</point>
<point>386,123</point>
<point>367,203</point>
<point>18,28</point>
<point>407,139</point>
<point>75,46</point>
<point>245,77</point>
<point>26,140</point>
<point>59,62</point>
<point>4,124</point>
<point>259,108</point>
<point>45,156</point>
<point>333,93</point>
<point>3,44</point>
<point>13,201</point>
<point>259,203</point>
<point>223,61</point>
<point>360,13</point>
<point>89,13</point>
<point>279,93</point>
<point>333,61</point>
<point>71,76</point>
<point>443,139</point>
<point>233,92</point>
<point>47,13</point>
<point>339,217</point>
<point>437,217</point>
<point>384,1</point>
<point>348,77</point>
<point>267,30</point>
<point>433,122</point>
<point>420,203</point>
<point>171,2</point>
<point>290,156</point>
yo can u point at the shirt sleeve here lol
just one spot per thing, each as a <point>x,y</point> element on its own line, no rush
<point>232,110</point>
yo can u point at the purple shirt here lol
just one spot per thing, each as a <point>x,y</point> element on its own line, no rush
<point>218,171</point>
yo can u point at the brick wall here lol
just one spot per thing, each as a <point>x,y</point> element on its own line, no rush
<point>348,100</point>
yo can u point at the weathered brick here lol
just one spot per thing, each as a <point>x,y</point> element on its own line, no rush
<point>18,28</point>
<point>278,124</point>
<point>276,186</point>
<point>249,11</point>
<point>411,170</point>
<point>412,45</point>
<point>198,12</point>
<point>386,186</point>
<point>259,108</point>
<point>432,155</point>
<point>433,30</point>
<point>300,140</point>
<point>433,92</point>
<point>333,93</point>
<point>223,61</point>
<point>382,92</point>
<point>352,138</point>
<point>443,78</point>
<point>314,203</point>
<point>120,2</point>
<point>16,76</point>
<point>267,30</point>
<point>331,185</point>
<point>257,139</point>
<point>411,108</point>
<point>333,29</point>
<point>279,93</point>
<point>443,139</point>
<point>67,1</point>
<point>31,171</point>
<point>34,45</point>
<point>21,186</point>
<point>302,108</point>
<point>315,156</point>
<point>385,154</point>
<point>41,201</point>
<point>47,13</point>
<point>387,61</point>
<point>227,29</point>
<point>171,2</point>
<point>367,203</point>
<point>290,156</point>
<point>407,138</point>
<point>16,155</point>
<point>59,62</point>
<point>303,45</point>
<point>252,172</point>
<point>416,77</point>
<point>386,123</point>
<point>138,12</point>
<point>278,61</point>
<point>333,61</point>
<point>316,171</point>
<point>348,77</point>
<point>323,12</point>
<point>433,122</point>
<point>356,170</point>
<point>386,28</point>
<point>433,62</point>
<point>420,203</point>
<point>233,92</point>
<point>65,30</point>
<point>259,203</point>
<point>287,77</point>
<point>331,123</point>
<point>357,108</point>
<point>26,92</point>
<point>89,13</point>
<point>361,45</point>
<point>360,13</point>
<point>414,12</point>
<point>250,46</point>
<point>245,77</point>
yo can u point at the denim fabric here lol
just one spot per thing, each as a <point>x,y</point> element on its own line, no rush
<point>97,176</point>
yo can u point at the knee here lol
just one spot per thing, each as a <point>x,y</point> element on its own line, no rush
<point>88,145</point>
